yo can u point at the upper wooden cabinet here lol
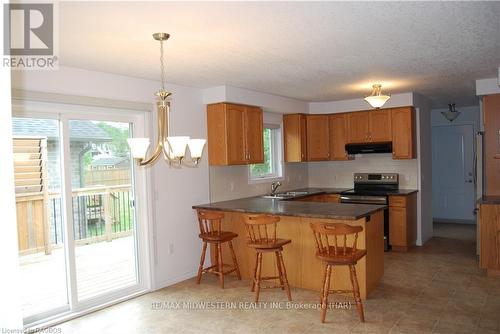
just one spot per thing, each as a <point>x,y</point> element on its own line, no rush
<point>380,126</point>
<point>491,148</point>
<point>338,136</point>
<point>369,126</point>
<point>403,133</point>
<point>318,137</point>
<point>295,137</point>
<point>235,134</point>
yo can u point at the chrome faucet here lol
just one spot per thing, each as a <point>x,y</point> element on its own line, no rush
<point>274,186</point>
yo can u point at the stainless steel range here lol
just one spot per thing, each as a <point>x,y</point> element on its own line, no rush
<point>373,188</point>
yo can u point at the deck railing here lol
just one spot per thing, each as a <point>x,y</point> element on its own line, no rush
<point>100,213</point>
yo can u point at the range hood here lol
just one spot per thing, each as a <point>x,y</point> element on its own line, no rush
<point>369,148</point>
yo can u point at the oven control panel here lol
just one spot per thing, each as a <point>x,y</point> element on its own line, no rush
<point>392,178</point>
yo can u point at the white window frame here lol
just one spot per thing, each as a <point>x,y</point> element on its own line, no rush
<point>65,108</point>
<point>276,153</point>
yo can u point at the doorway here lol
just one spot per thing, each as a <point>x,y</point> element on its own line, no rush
<point>81,228</point>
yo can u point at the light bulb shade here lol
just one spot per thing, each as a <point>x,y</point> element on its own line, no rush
<point>177,145</point>
<point>377,101</point>
<point>196,147</point>
<point>138,147</point>
<point>450,115</point>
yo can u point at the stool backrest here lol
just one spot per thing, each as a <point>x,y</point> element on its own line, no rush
<point>210,221</point>
<point>331,238</point>
<point>261,228</point>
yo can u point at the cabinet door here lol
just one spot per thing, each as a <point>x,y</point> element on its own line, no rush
<point>254,135</point>
<point>235,128</point>
<point>318,138</point>
<point>294,134</point>
<point>338,136</point>
<point>397,226</point>
<point>358,126</point>
<point>380,126</point>
<point>403,133</point>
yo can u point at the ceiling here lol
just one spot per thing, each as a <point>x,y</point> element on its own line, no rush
<point>321,51</point>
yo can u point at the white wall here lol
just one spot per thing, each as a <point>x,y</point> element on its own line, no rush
<point>488,86</point>
<point>174,190</point>
<point>10,307</point>
<point>424,159</point>
<point>268,102</point>
<point>339,173</point>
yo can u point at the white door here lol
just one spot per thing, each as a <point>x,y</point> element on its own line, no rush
<point>453,185</point>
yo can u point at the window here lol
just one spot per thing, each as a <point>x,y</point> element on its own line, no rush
<point>272,166</point>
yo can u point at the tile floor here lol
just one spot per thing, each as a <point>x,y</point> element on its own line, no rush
<point>436,288</point>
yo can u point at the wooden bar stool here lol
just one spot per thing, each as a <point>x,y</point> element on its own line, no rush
<point>211,233</point>
<point>261,233</point>
<point>333,253</point>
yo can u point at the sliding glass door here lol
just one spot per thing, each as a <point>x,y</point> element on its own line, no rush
<point>80,243</point>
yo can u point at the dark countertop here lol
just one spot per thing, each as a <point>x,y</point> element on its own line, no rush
<point>295,208</point>
<point>489,200</point>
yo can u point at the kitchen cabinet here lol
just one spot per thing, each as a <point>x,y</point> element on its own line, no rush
<point>372,126</point>
<point>489,238</point>
<point>318,137</point>
<point>403,133</point>
<point>491,149</point>
<point>338,136</point>
<point>323,198</point>
<point>402,222</point>
<point>295,137</point>
<point>235,134</point>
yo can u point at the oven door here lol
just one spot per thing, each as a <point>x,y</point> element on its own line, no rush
<point>360,199</point>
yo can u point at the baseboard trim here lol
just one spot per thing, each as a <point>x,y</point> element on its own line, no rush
<point>454,221</point>
<point>175,280</point>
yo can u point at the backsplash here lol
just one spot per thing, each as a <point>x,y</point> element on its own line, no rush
<point>231,182</point>
<point>340,173</point>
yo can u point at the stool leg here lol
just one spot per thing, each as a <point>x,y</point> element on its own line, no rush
<point>202,261</point>
<point>235,261</point>
<point>255,271</point>
<point>215,257</point>
<point>285,279</point>
<point>257,281</point>
<point>221,265</point>
<point>280,272</point>
<point>326,290</point>
<point>355,290</point>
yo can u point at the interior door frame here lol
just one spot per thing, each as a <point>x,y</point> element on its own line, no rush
<point>64,112</point>
<point>474,155</point>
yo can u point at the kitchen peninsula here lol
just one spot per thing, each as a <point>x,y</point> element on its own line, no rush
<point>296,213</point>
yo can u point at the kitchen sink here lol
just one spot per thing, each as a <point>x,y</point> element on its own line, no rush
<point>286,194</point>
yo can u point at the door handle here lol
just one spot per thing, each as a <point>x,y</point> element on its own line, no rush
<point>468,181</point>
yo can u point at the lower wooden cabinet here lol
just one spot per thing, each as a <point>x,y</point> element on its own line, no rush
<point>489,238</point>
<point>402,222</point>
<point>324,198</point>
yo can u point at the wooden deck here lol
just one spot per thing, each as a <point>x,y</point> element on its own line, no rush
<point>101,267</point>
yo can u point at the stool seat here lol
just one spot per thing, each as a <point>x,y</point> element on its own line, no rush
<point>270,245</point>
<point>351,256</point>
<point>215,237</point>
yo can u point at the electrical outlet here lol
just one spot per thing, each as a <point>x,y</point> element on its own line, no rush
<point>170,248</point>
<point>231,185</point>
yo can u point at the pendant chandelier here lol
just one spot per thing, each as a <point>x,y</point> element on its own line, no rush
<point>173,148</point>
<point>451,113</point>
<point>377,99</point>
